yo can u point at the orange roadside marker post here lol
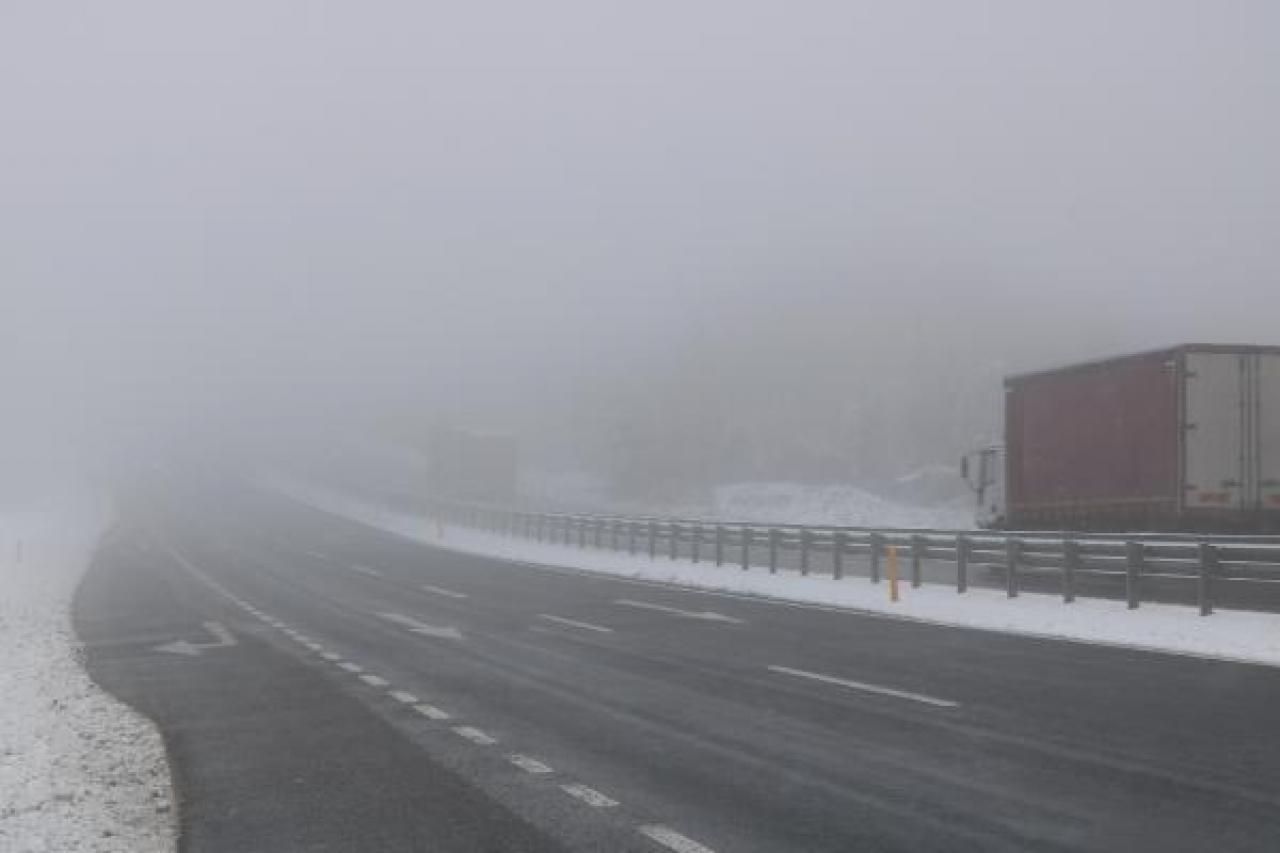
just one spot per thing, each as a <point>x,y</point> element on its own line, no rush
<point>893,572</point>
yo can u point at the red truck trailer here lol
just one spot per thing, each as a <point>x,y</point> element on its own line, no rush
<point>1186,438</point>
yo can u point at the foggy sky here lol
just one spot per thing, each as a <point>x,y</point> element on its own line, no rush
<point>266,218</point>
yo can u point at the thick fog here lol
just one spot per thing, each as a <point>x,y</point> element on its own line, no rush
<point>667,243</point>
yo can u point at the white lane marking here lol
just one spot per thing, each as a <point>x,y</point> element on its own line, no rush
<point>527,764</point>
<point>867,688</point>
<point>431,712</point>
<point>315,647</point>
<point>706,615</point>
<point>365,570</point>
<point>475,735</point>
<point>673,840</point>
<point>221,639</point>
<point>351,667</point>
<point>417,627</point>
<point>406,698</point>
<point>590,796</point>
<point>439,590</point>
<point>330,656</point>
<point>573,623</point>
<point>375,681</point>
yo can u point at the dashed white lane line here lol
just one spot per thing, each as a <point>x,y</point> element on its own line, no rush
<point>528,765</point>
<point>704,615</point>
<point>402,696</point>
<point>330,656</point>
<point>867,688</point>
<point>475,735</point>
<point>375,681</point>
<point>590,796</point>
<point>673,840</point>
<point>574,623</point>
<point>351,667</point>
<point>442,591</point>
<point>431,712</point>
<point>365,570</point>
<point>447,632</point>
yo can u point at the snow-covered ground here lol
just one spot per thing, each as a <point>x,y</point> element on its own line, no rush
<point>846,505</point>
<point>1233,635</point>
<point>79,771</point>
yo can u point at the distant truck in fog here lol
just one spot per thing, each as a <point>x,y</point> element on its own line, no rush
<point>1186,439</point>
<point>472,465</point>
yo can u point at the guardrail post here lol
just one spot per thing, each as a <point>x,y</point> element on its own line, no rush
<point>1133,573</point>
<point>804,550</point>
<point>695,541</point>
<point>917,554</point>
<point>599,533</point>
<point>877,545</point>
<point>773,550</point>
<point>675,541</point>
<point>631,537</point>
<point>653,540</point>
<point>837,555</point>
<point>568,530</point>
<point>583,524</point>
<point>538,521</point>
<point>746,547</point>
<point>613,534</point>
<point>1209,564</point>
<point>719,544</point>
<point>1013,550</point>
<point>1070,563</point>
<point>962,563</point>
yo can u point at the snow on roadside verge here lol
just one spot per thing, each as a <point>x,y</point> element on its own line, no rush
<point>1247,637</point>
<point>79,771</point>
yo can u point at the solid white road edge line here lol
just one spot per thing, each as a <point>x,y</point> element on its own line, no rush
<point>590,796</point>
<point>866,688</point>
<point>573,623</point>
<point>673,840</point>
<point>375,681</point>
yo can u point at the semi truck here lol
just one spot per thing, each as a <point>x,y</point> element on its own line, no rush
<point>1178,439</point>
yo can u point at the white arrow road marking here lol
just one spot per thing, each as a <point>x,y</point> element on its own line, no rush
<point>867,688</point>
<point>447,633</point>
<point>590,796</point>
<point>182,647</point>
<point>705,615</point>
<point>573,623</point>
<point>673,840</point>
<point>447,593</point>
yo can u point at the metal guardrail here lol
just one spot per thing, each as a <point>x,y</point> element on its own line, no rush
<point>1072,562</point>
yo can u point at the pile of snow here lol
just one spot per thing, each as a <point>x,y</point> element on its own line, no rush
<point>1231,635</point>
<point>765,502</point>
<point>79,771</point>
<point>842,505</point>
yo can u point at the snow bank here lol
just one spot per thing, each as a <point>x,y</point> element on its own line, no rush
<point>844,505</point>
<point>840,505</point>
<point>79,771</point>
<point>1232,635</point>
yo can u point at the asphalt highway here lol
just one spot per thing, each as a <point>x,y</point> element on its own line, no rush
<point>338,688</point>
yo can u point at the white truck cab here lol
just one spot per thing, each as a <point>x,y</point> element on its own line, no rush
<point>983,470</point>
